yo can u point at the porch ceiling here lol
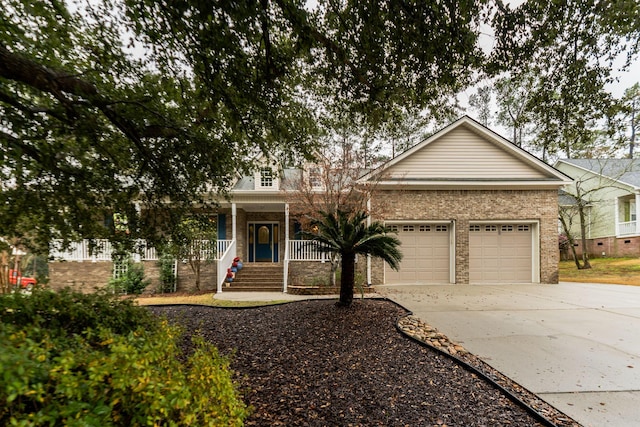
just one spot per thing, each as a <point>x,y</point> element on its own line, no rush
<point>261,207</point>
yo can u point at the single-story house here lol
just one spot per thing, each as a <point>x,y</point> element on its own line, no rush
<point>469,207</point>
<point>610,191</point>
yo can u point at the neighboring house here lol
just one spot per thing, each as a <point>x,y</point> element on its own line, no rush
<point>468,206</point>
<point>610,188</point>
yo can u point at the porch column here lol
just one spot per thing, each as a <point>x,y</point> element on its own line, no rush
<point>234,236</point>
<point>637,213</point>
<point>286,248</point>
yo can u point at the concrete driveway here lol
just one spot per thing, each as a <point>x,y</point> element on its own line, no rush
<point>575,345</point>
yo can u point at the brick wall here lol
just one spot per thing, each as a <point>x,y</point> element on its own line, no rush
<point>79,276</point>
<point>89,276</point>
<point>186,277</point>
<point>463,206</point>
<point>610,246</point>
<point>319,273</point>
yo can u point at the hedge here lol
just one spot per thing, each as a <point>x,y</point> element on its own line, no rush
<point>93,360</point>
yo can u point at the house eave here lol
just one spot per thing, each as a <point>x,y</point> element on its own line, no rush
<point>476,184</point>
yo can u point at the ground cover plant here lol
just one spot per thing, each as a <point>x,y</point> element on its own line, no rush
<point>312,363</point>
<point>621,271</point>
<point>96,360</point>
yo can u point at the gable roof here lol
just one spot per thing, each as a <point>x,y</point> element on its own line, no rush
<point>625,171</point>
<point>467,154</point>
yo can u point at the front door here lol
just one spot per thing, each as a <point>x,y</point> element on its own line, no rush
<point>263,242</point>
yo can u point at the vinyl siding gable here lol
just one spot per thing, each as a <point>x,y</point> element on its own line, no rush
<point>462,154</point>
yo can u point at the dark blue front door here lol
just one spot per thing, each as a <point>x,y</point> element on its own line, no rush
<point>263,244</point>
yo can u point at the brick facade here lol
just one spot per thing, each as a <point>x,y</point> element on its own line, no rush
<point>463,206</point>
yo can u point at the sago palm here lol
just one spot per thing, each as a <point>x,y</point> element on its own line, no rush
<point>347,234</point>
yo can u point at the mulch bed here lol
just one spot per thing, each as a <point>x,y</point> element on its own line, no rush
<point>311,363</point>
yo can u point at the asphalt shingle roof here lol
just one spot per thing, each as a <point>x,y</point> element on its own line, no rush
<point>626,171</point>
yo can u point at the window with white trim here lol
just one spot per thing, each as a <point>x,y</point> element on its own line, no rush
<point>408,228</point>
<point>424,228</point>
<point>266,177</point>
<point>442,228</point>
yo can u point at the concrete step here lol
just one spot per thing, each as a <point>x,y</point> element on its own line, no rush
<point>257,277</point>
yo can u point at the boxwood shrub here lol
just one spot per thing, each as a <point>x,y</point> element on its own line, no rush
<point>94,360</point>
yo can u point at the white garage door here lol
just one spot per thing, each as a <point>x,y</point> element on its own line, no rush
<point>500,253</point>
<point>425,254</point>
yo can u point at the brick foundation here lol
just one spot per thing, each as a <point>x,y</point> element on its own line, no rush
<point>89,276</point>
<point>610,247</point>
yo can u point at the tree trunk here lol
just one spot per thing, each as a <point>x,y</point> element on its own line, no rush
<point>583,231</point>
<point>347,279</point>
<point>4,272</point>
<point>570,238</point>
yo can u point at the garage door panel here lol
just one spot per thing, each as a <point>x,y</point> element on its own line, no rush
<point>500,253</point>
<point>425,254</point>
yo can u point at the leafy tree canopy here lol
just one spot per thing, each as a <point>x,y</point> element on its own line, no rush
<point>571,50</point>
<point>124,106</point>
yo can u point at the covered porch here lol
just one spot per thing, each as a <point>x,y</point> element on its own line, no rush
<point>262,233</point>
<point>627,212</point>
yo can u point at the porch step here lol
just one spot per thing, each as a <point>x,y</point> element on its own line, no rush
<point>257,277</point>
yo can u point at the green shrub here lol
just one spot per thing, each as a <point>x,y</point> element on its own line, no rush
<point>167,277</point>
<point>120,366</point>
<point>132,282</point>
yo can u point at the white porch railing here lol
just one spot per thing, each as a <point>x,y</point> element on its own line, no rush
<point>222,247</point>
<point>225,259</point>
<point>100,250</point>
<point>306,250</point>
<point>627,228</point>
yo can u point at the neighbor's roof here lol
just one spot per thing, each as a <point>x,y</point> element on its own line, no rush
<point>626,171</point>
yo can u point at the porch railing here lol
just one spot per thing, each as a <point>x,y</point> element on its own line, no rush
<point>306,250</point>
<point>100,250</point>
<point>225,259</point>
<point>627,228</point>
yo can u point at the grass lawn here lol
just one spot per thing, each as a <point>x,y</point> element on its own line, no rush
<point>200,299</point>
<point>621,271</point>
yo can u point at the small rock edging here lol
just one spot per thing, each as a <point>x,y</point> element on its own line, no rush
<point>419,330</point>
